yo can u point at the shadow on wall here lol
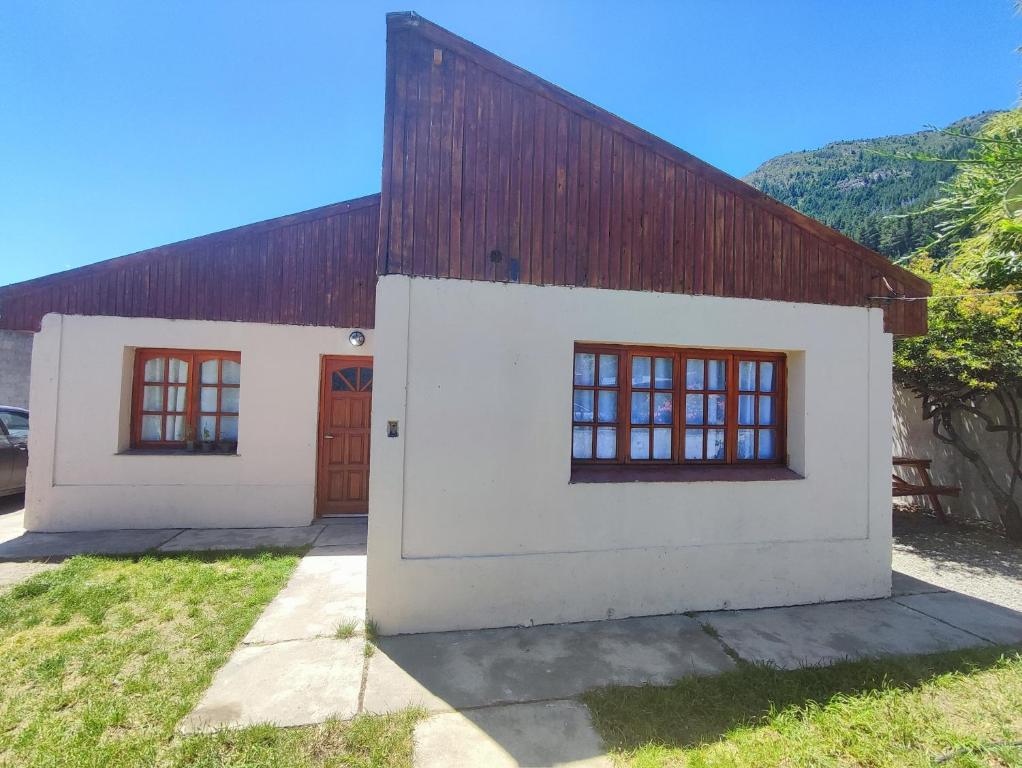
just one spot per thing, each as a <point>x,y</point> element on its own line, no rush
<point>914,437</point>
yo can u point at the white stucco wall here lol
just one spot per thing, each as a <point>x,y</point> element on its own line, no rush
<point>80,476</point>
<point>473,522</point>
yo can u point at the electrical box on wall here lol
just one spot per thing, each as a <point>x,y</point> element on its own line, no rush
<point>391,429</point>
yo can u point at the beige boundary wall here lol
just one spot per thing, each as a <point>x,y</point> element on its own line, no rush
<point>473,522</point>
<point>80,476</point>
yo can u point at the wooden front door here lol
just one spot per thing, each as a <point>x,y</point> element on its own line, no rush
<point>345,402</point>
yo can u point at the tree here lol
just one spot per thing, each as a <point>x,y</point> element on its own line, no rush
<point>968,369</point>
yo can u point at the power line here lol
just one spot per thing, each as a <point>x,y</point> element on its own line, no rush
<point>944,296</point>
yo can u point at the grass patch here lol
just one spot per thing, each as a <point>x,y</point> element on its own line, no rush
<point>904,711</point>
<point>346,630</point>
<point>101,657</point>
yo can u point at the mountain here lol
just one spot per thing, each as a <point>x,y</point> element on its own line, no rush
<point>856,186</point>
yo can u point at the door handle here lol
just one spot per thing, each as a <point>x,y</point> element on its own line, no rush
<point>328,437</point>
<point>21,447</point>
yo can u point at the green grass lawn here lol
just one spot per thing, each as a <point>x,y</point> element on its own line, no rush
<point>101,657</point>
<point>906,711</point>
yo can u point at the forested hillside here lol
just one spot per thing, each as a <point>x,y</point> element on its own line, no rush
<point>854,186</point>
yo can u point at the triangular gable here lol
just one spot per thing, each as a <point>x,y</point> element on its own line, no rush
<point>491,173</point>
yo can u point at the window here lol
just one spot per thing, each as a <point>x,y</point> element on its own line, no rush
<point>16,424</point>
<point>730,406</point>
<point>183,396</point>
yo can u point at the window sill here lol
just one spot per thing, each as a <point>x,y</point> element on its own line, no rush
<point>171,452</point>
<point>679,473</point>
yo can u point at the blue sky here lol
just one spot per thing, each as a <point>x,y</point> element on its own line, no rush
<point>129,125</point>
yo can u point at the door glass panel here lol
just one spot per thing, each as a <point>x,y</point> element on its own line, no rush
<point>640,408</point>
<point>694,444</point>
<point>663,374</point>
<point>583,405</point>
<point>208,372</point>
<point>746,440</point>
<point>640,372</point>
<point>640,444</point>
<point>229,399</point>
<point>715,444</point>
<point>207,400</point>
<point>365,378</point>
<point>231,371</point>
<point>207,428</point>
<point>152,399</point>
<point>663,408</point>
<point>747,376</point>
<point>154,369</point>
<point>582,442</point>
<point>608,370</point>
<point>693,374</point>
<point>746,409</point>
<point>607,406</point>
<point>606,442</point>
<point>716,374</point>
<point>661,443</point>
<point>766,377</point>
<point>693,409</point>
<point>177,371</point>
<point>176,397</point>
<point>229,428</point>
<point>350,377</point>
<point>151,428</point>
<point>715,406</point>
<point>175,428</point>
<point>585,368</point>
<point>766,444</point>
<point>766,410</point>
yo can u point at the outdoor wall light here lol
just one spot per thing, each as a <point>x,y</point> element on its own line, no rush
<point>357,338</point>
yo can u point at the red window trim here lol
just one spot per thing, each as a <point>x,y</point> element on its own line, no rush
<point>680,355</point>
<point>193,389</point>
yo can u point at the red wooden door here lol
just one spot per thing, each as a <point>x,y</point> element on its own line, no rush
<point>345,403</point>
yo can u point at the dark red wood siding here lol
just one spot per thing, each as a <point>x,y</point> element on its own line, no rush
<point>312,268</point>
<point>490,173</point>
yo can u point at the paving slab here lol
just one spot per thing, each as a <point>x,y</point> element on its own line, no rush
<point>41,545</point>
<point>453,670</point>
<point>296,683</point>
<point>13,573</point>
<point>351,534</point>
<point>326,590</point>
<point>812,635</point>
<point>204,539</point>
<point>991,622</point>
<point>540,735</point>
<point>903,584</point>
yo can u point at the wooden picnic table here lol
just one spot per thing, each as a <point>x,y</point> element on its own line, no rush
<point>902,487</point>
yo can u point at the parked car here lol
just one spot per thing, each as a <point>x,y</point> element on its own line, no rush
<point>13,449</point>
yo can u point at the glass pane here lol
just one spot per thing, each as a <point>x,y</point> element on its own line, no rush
<point>229,399</point>
<point>177,371</point>
<point>767,444</point>
<point>640,444</point>
<point>175,428</point>
<point>746,409</point>
<point>582,442</point>
<point>154,369</point>
<point>747,376</point>
<point>664,373</point>
<point>337,384</point>
<point>640,372</point>
<point>766,410</point>
<point>608,370</point>
<point>151,428</point>
<point>207,400</point>
<point>606,443</point>
<point>229,428</point>
<point>693,409</point>
<point>746,438</point>
<point>693,444</point>
<point>694,374</point>
<point>349,375</point>
<point>661,443</point>
<point>176,397</point>
<point>717,374</point>
<point>607,407</point>
<point>715,406</point>
<point>640,408</point>
<point>585,369</point>
<point>582,409</point>
<point>208,372</point>
<point>231,371</point>
<point>365,378</point>
<point>207,429</point>
<point>766,377</point>
<point>663,408</point>
<point>715,444</point>
<point>152,399</point>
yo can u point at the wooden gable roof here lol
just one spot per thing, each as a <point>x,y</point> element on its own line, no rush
<point>311,268</point>
<point>491,173</point>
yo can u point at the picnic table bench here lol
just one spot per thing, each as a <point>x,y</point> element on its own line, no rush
<point>902,487</point>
